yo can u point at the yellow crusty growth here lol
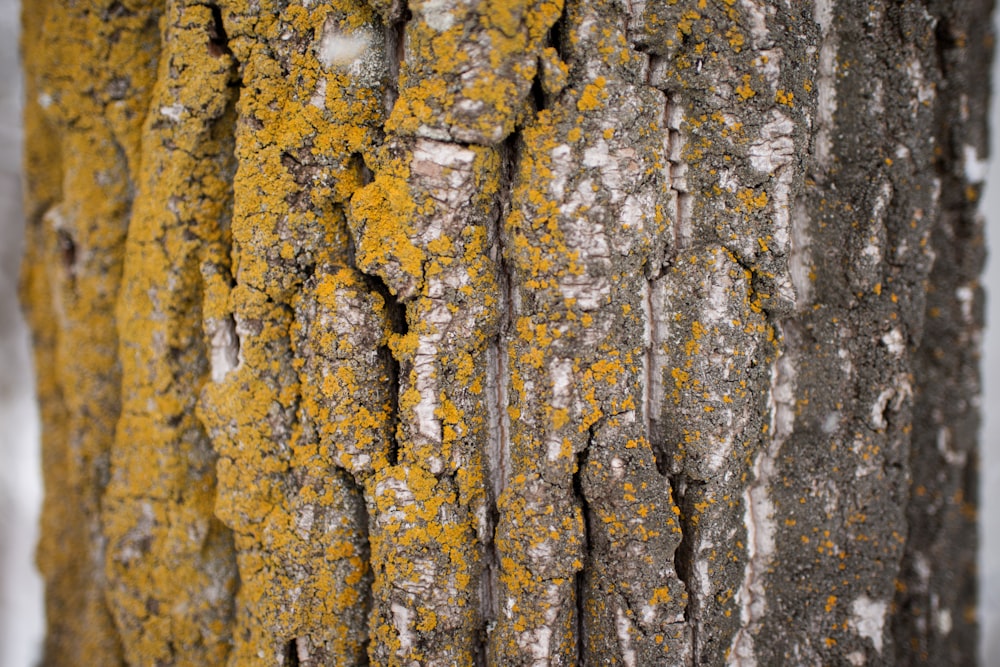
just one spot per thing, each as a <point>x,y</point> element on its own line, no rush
<point>297,517</point>
<point>162,488</point>
<point>381,213</point>
<point>82,158</point>
<point>466,77</point>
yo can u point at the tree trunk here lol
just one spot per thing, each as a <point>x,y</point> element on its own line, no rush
<point>507,333</point>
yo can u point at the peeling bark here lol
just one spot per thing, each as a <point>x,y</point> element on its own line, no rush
<point>540,333</point>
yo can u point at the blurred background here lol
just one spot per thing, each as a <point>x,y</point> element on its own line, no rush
<point>989,509</point>
<point>21,614</point>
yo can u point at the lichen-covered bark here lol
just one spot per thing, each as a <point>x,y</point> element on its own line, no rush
<point>170,567</point>
<point>91,69</point>
<point>521,333</point>
<point>297,519</point>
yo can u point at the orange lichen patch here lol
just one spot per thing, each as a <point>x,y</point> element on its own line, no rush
<point>452,87</point>
<point>593,95</point>
<point>744,90</point>
<point>751,200</point>
<point>381,214</point>
<point>686,22</point>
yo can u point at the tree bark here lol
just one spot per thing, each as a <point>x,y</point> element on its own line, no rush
<point>549,333</point>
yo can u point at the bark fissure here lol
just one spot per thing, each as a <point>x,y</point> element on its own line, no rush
<point>652,385</point>
<point>759,507</point>
<point>67,248</point>
<point>218,40</point>
<point>395,49</point>
<point>395,317</point>
<point>498,369</point>
<point>580,587</point>
<point>676,168</point>
<point>291,654</point>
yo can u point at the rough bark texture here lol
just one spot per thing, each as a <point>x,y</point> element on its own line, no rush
<point>513,333</point>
